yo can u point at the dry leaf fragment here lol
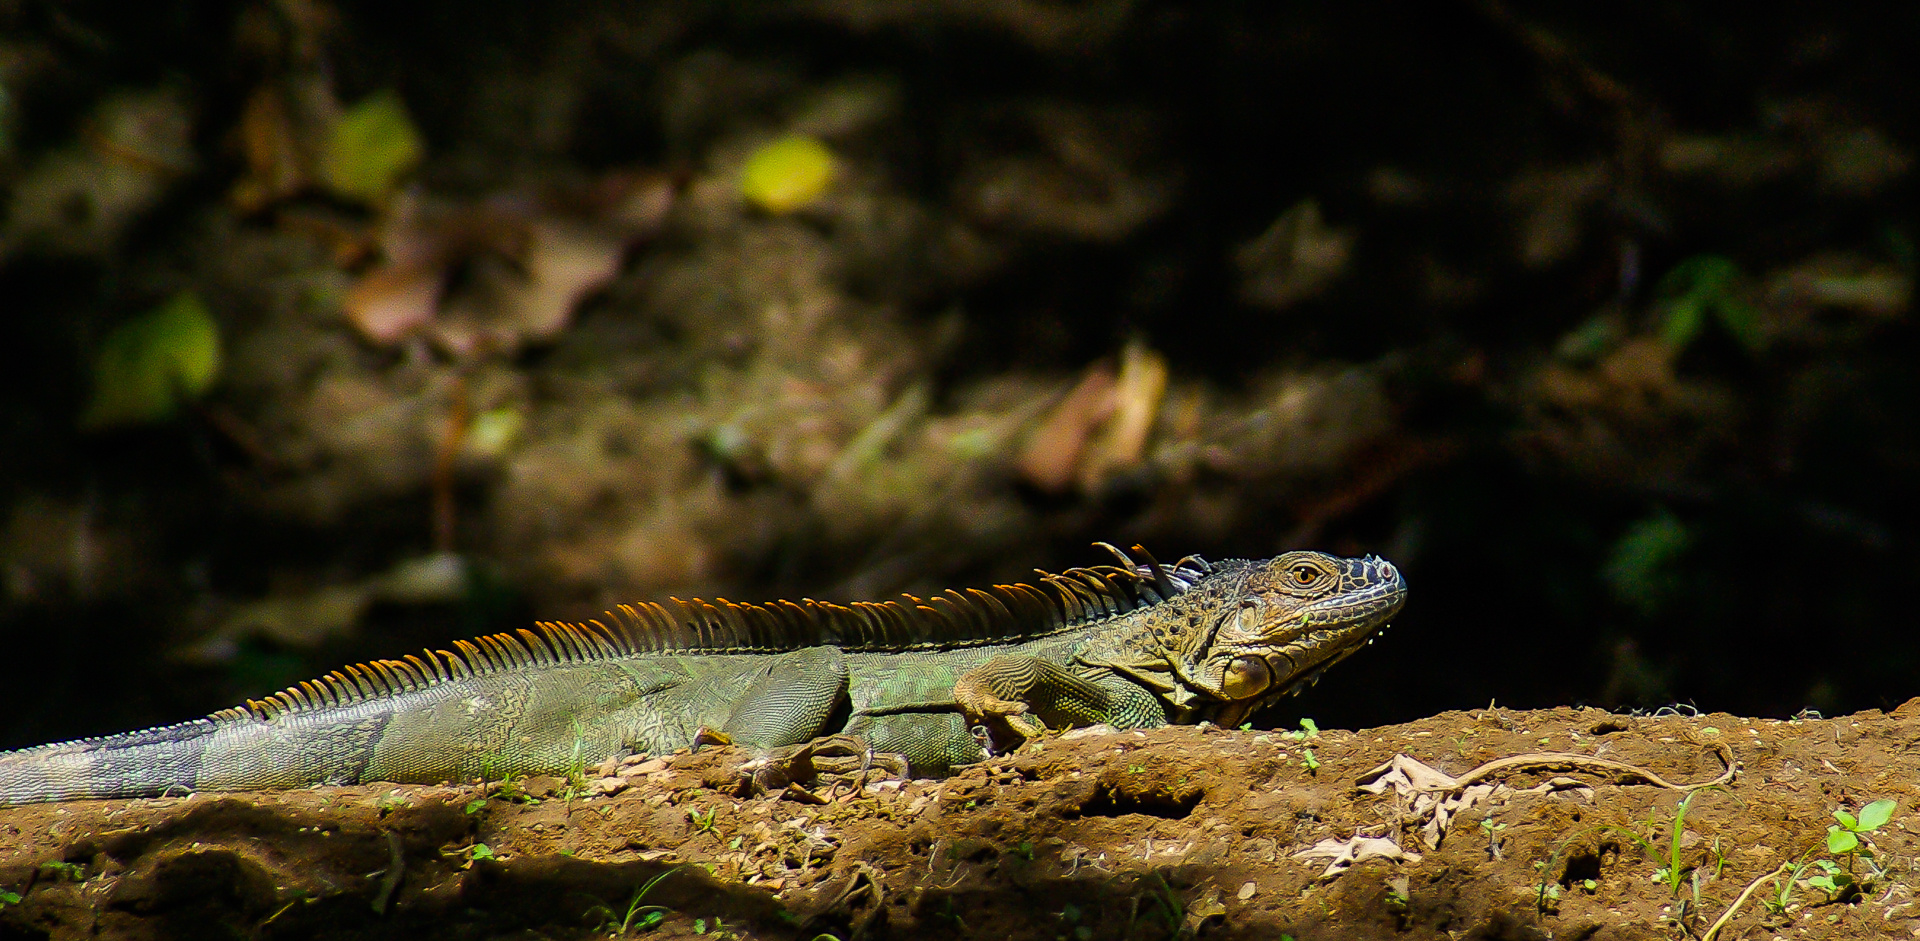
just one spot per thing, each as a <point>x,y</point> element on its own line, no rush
<point>1294,259</point>
<point>1342,854</point>
<point>1053,452</point>
<point>391,302</point>
<point>1433,796</point>
<point>1121,442</point>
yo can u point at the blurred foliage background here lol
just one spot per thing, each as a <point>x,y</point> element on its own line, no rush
<point>337,328</point>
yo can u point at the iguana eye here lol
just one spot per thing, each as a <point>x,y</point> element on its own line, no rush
<point>1304,574</point>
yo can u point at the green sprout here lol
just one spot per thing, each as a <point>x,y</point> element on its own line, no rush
<point>637,915</point>
<point>1671,872</point>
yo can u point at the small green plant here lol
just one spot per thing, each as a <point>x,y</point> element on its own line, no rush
<point>637,914</point>
<point>8,898</point>
<point>1830,878</point>
<point>475,806</point>
<point>1308,730</point>
<point>1671,871</point>
<point>1492,830</point>
<point>576,765</point>
<point>1070,915</point>
<point>1782,897</point>
<point>480,852</point>
<point>1547,900</point>
<point>1844,840</point>
<point>703,822</point>
<point>513,791</point>
<point>1167,906</point>
<point>1397,894</point>
<point>946,911</point>
<point>64,871</point>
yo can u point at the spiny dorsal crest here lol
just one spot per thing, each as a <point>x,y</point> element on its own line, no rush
<point>972,617</point>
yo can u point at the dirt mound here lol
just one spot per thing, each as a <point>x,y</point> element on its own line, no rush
<point>1568,823</point>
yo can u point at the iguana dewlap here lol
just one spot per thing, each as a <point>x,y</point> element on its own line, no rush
<point>1132,645</point>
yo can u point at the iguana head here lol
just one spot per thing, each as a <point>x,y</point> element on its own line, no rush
<point>1270,628</point>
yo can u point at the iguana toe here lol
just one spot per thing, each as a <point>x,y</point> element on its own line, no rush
<point>787,769</point>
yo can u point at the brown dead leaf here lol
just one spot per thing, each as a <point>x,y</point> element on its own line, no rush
<point>524,263</point>
<point>275,167</point>
<point>1053,452</point>
<point>393,301</point>
<point>1342,854</point>
<point>1120,442</point>
<point>1842,282</point>
<point>506,305</point>
<point>1554,205</point>
<point>1294,259</point>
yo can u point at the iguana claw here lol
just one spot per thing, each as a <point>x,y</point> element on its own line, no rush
<point>782,770</point>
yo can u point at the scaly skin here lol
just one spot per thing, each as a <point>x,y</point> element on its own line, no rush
<point>1132,646</point>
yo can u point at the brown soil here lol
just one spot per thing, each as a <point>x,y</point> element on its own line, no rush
<point>1174,832</point>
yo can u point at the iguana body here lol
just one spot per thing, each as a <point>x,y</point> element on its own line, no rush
<point>1134,645</point>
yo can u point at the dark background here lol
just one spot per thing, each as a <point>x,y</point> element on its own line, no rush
<point>1489,221</point>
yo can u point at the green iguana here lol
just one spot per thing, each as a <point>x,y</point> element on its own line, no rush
<point>940,681</point>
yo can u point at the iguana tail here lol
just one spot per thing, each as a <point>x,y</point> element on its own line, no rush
<point>146,763</point>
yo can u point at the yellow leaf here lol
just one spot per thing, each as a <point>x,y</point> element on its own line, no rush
<point>787,174</point>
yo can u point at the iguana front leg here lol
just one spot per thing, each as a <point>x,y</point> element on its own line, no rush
<point>1017,696</point>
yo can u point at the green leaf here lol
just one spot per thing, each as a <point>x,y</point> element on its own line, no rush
<point>154,362</point>
<point>787,174</point>
<point>1703,285</point>
<point>1742,320</point>
<point>1643,569</point>
<point>1875,815</point>
<point>1841,841</point>
<point>373,147</point>
<point>1846,820</point>
<point>1685,317</point>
